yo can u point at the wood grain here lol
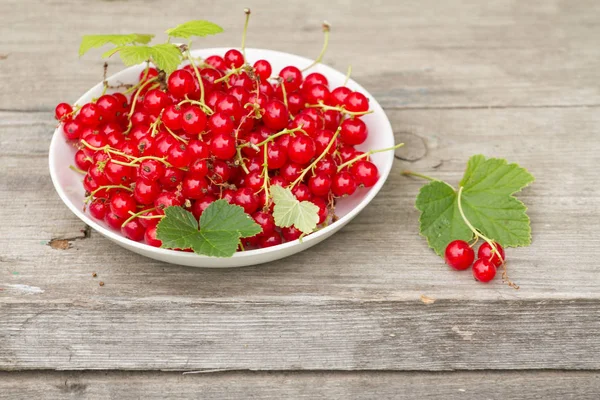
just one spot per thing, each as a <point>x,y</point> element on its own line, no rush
<point>312,386</point>
<point>407,53</point>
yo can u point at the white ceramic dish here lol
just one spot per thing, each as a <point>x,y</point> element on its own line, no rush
<point>69,187</point>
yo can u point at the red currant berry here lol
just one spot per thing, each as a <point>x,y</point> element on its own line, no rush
<point>315,78</point>
<point>72,129</point>
<point>146,191</point>
<point>246,198</point>
<point>193,120</point>
<point>172,117</point>
<point>89,115</point>
<point>240,94</point>
<point>194,187</point>
<point>166,199</point>
<point>118,174</point>
<point>231,106</point>
<point>316,94</point>
<point>326,166</point>
<point>222,172</point>
<point>148,74</point>
<point>323,210</point>
<point>485,252</point>
<point>155,101</point>
<point>171,178</point>
<point>354,131</point>
<point>279,180</point>
<point>302,192</point>
<point>365,173</point>
<point>291,171</point>
<point>216,62</point>
<point>199,168</point>
<point>181,83</point>
<point>134,230</point>
<point>113,220</point>
<point>61,110</point>
<point>233,59</point>
<point>356,102</point>
<point>459,255</point>
<point>222,146</point>
<point>484,270</point>
<point>149,222</point>
<point>178,156</point>
<point>276,115</point>
<point>273,239</point>
<point>306,122</point>
<point>108,107</point>
<point>292,78</point>
<point>343,184</point>
<point>140,118</point>
<point>262,68</point>
<point>295,102</point>
<point>322,139</point>
<point>82,161</point>
<point>301,149</point>
<point>266,222</point>
<point>122,204</point>
<point>291,233</point>
<point>220,123</point>
<point>202,204</point>
<point>339,95</point>
<point>98,208</point>
<point>150,237</point>
<point>320,184</point>
<point>331,119</point>
<point>255,180</point>
<point>198,149</point>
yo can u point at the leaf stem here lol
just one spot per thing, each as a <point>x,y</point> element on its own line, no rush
<point>326,29</point>
<point>417,175</point>
<point>367,154</point>
<point>188,55</point>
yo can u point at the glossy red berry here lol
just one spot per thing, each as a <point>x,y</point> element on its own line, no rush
<point>484,270</point>
<point>365,173</point>
<point>276,155</point>
<point>202,204</point>
<point>276,115</point>
<point>72,129</point>
<point>314,78</point>
<point>198,168</point>
<point>220,123</point>
<point>150,237</point>
<point>194,187</point>
<point>146,191</point>
<point>122,204</point>
<point>316,94</point>
<point>231,106</point>
<point>291,233</point>
<point>98,208</point>
<point>216,62</point>
<point>322,139</point>
<point>354,131</point>
<point>178,156</point>
<point>172,116</point>
<point>290,171</point>
<point>181,83</point>
<point>320,184</point>
<point>89,115</point>
<point>262,68</point>
<point>113,220</point>
<point>459,255</point>
<point>82,161</point>
<point>356,102</point>
<point>343,184</point>
<point>270,240</point>
<point>171,178</point>
<point>222,146</point>
<point>305,122</point>
<point>291,77</point>
<point>61,110</point>
<point>301,149</point>
<point>148,74</point>
<point>233,59</point>
<point>155,101</point>
<point>193,120</point>
<point>485,252</point>
<point>246,198</point>
<point>133,230</point>
<point>108,107</point>
<point>302,192</point>
<point>323,208</point>
<point>266,222</point>
<point>339,95</point>
<point>166,199</point>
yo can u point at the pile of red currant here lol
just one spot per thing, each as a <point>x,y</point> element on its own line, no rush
<point>460,255</point>
<point>218,129</point>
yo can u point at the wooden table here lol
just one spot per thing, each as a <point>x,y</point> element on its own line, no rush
<point>345,319</point>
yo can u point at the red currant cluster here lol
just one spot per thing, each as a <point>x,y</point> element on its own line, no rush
<point>460,255</point>
<point>221,129</point>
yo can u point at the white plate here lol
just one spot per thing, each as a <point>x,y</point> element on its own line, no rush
<point>70,189</point>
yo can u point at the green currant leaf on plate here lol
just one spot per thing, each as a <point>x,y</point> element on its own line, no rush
<point>89,42</point>
<point>289,211</point>
<point>222,225</point>
<point>487,201</point>
<point>194,28</point>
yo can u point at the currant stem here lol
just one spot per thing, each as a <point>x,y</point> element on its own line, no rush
<point>133,216</point>
<point>234,71</point>
<point>193,64</point>
<point>272,137</point>
<point>247,12</point>
<point>108,187</point>
<point>137,94</point>
<point>74,168</point>
<point>266,181</point>
<point>341,109</point>
<point>348,73</point>
<point>106,149</point>
<point>367,154</point>
<point>203,106</point>
<point>284,92</point>
<point>176,136</point>
<point>134,162</point>
<point>240,159</point>
<point>326,29</point>
<point>314,163</point>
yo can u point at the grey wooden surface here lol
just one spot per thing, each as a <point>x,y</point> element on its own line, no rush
<point>344,319</point>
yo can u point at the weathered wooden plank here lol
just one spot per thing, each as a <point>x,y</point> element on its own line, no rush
<point>181,334</point>
<point>313,386</point>
<point>409,54</point>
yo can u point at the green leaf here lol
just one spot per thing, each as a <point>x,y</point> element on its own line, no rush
<point>487,201</point>
<point>194,28</point>
<point>288,211</point>
<point>89,42</point>
<point>221,227</point>
<point>165,56</point>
